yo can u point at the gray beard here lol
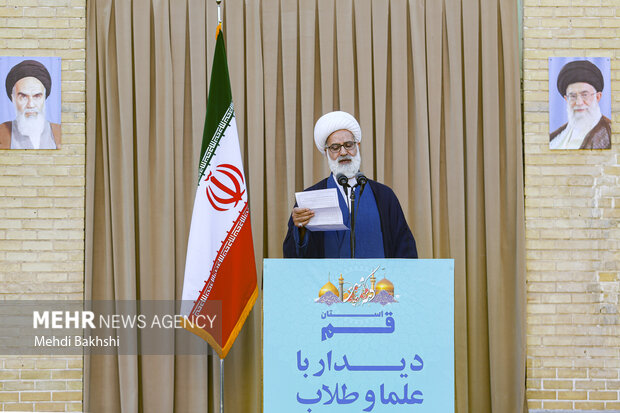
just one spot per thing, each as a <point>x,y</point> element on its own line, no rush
<point>32,126</point>
<point>350,169</point>
<point>584,121</point>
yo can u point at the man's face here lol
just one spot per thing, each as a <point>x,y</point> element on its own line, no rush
<point>346,161</point>
<point>29,97</point>
<point>581,98</point>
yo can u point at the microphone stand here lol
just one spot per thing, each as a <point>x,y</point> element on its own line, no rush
<point>353,221</point>
<point>344,182</point>
<point>361,182</point>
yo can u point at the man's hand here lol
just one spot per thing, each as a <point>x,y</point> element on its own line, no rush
<point>301,216</point>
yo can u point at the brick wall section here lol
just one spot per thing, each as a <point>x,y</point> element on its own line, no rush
<point>42,203</point>
<point>572,221</point>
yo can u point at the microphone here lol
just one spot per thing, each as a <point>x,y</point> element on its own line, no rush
<point>361,179</point>
<point>343,181</point>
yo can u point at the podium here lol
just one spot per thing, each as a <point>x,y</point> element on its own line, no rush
<point>358,335</point>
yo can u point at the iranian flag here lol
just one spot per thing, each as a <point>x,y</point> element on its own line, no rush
<point>219,288</point>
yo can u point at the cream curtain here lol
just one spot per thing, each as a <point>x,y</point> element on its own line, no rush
<point>435,86</point>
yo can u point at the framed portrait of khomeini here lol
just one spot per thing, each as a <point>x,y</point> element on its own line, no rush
<point>579,103</point>
<point>30,104</point>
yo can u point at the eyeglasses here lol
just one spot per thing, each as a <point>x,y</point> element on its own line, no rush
<point>585,96</point>
<point>335,147</point>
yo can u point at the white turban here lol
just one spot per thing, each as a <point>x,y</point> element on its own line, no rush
<point>332,122</point>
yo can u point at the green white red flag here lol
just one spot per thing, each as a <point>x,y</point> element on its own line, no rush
<point>220,267</point>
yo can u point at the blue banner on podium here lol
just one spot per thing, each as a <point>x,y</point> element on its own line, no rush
<point>364,335</point>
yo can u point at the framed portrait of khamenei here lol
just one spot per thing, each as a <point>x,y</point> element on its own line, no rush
<point>30,104</point>
<point>579,103</point>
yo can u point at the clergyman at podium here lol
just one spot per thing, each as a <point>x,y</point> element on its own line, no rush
<point>381,230</point>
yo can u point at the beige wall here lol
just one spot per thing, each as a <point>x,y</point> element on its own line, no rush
<point>42,203</point>
<point>572,214</point>
<point>572,221</point>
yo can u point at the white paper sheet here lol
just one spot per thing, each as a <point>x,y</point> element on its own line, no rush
<point>324,203</point>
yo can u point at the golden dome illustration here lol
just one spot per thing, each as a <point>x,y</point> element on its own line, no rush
<point>328,287</point>
<point>385,285</point>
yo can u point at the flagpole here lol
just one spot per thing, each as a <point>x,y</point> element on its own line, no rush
<point>221,385</point>
<point>219,24</point>
<point>219,11</point>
